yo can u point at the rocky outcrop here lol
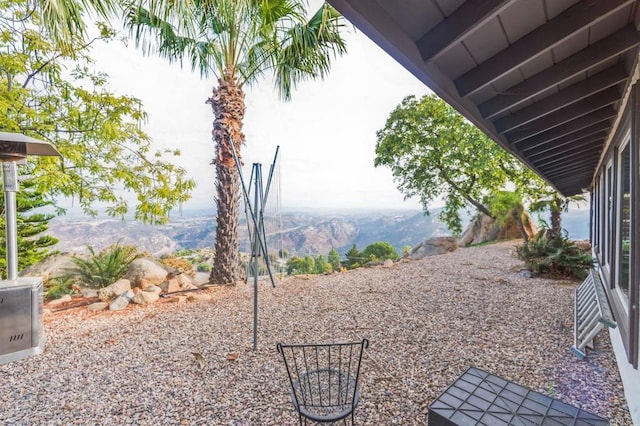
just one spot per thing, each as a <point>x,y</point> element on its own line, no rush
<point>433,246</point>
<point>484,228</point>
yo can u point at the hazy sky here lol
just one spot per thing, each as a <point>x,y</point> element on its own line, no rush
<point>326,133</point>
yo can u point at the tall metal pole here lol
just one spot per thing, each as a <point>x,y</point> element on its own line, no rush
<point>255,253</point>
<point>10,187</point>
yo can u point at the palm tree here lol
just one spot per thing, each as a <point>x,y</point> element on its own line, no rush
<point>238,41</point>
<point>64,19</point>
<point>556,204</point>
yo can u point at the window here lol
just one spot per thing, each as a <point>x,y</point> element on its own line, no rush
<point>623,239</point>
<point>608,196</point>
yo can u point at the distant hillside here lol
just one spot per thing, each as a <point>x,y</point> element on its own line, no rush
<point>300,233</point>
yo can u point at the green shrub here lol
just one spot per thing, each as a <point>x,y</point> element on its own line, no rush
<point>58,287</point>
<point>106,267</point>
<point>555,254</point>
<point>203,267</point>
<point>378,252</point>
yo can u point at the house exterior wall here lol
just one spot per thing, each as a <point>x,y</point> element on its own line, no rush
<point>615,238</point>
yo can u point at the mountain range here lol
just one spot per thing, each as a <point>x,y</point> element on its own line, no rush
<point>298,232</point>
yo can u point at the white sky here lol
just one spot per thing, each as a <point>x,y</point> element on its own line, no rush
<point>326,133</point>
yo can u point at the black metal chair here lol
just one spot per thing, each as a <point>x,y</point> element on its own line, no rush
<point>324,379</point>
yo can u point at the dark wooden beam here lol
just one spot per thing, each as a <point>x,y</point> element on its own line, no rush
<point>542,39</point>
<point>578,170</point>
<point>575,168</point>
<point>599,52</point>
<point>569,157</point>
<point>573,186</point>
<point>469,16</point>
<point>594,84</point>
<point>575,125</point>
<point>604,125</point>
<point>553,149</point>
<point>558,118</point>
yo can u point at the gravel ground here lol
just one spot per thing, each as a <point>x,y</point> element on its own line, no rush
<point>427,321</point>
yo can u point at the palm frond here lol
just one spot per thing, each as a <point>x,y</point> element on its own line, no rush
<point>308,50</point>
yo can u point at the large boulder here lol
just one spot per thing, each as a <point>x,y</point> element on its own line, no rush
<point>152,272</point>
<point>433,246</point>
<point>484,228</point>
<point>51,267</point>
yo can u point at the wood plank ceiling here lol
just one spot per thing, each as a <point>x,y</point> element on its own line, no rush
<point>543,78</point>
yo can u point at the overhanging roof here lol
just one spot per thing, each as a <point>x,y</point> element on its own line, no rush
<point>543,78</point>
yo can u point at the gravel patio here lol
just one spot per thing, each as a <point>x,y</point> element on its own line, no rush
<point>427,321</point>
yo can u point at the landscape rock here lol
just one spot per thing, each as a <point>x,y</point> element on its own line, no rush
<point>177,299</point>
<point>61,300</point>
<point>199,297</point>
<point>152,272</point>
<point>185,282</point>
<point>153,289</point>
<point>170,286</point>
<point>145,298</point>
<point>433,246</point>
<point>88,293</point>
<point>144,284</point>
<point>388,263</point>
<point>50,267</point>
<point>527,273</point>
<point>98,306</point>
<point>121,302</point>
<point>114,290</point>
<point>179,282</point>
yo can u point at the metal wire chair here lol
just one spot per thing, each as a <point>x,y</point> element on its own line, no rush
<point>324,379</point>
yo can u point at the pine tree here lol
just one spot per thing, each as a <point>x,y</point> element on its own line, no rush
<point>32,244</point>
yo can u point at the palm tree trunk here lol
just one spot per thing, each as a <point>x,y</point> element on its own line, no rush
<point>556,212</point>
<point>228,107</point>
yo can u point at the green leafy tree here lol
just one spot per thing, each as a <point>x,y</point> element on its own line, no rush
<point>31,241</point>
<point>294,264</point>
<point>379,251</point>
<point>433,152</point>
<point>507,205</point>
<point>54,94</point>
<point>301,265</point>
<point>353,258</point>
<point>283,253</point>
<point>237,42</point>
<point>308,265</point>
<point>334,259</point>
<point>321,265</point>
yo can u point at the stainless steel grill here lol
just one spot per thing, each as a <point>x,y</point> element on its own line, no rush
<point>21,330</point>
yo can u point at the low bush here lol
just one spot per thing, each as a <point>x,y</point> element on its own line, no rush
<point>554,254</point>
<point>57,287</point>
<point>106,267</point>
<point>178,263</point>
